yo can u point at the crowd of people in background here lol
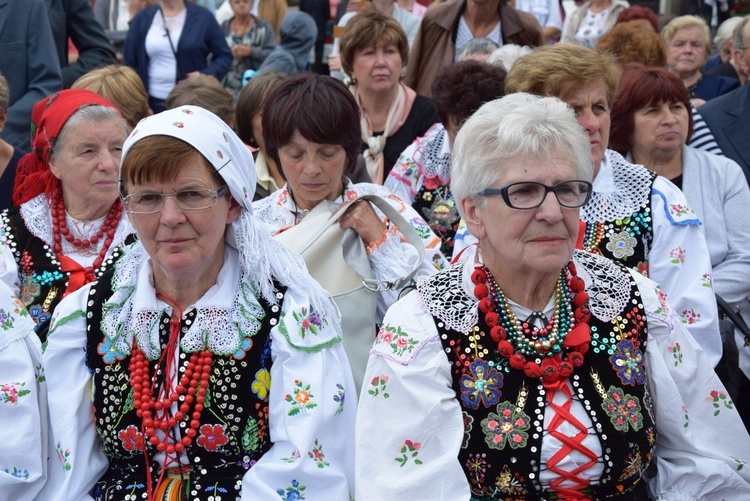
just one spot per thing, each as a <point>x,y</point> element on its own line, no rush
<point>456,250</point>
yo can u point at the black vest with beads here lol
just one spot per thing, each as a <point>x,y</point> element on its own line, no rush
<point>233,432</point>
<point>500,453</point>
<point>42,283</point>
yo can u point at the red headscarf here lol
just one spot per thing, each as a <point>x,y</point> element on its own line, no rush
<point>48,118</point>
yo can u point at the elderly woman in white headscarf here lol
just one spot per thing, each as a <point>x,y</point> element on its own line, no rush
<point>206,362</point>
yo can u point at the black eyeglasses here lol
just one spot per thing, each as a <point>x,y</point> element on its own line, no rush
<point>149,203</point>
<point>530,195</point>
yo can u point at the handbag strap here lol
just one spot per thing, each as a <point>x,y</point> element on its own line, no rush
<point>180,73</point>
<point>354,249</point>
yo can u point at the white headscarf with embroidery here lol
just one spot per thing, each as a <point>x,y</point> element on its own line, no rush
<point>261,257</point>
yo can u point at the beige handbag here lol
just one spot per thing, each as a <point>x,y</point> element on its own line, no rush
<point>338,260</point>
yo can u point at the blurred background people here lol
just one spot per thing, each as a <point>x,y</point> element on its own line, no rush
<point>549,13</point>
<point>121,86</point>
<point>251,40</point>
<point>374,49</point>
<point>687,40</point>
<point>74,20</point>
<point>292,55</point>
<point>156,48</point>
<point>272,11</point>
<point>9,155</point>
<point>29,51</point>
<point>591,20</point>
<point>722,63</point>
<point>477,49</point>
<point>69,216</point>
<point>446,27</point>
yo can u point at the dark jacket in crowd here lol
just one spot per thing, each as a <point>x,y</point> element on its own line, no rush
<point>292,55</point>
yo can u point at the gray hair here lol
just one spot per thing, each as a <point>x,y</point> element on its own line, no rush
<point>4,94</point>
<point>515,127</point>
<point>479,45</point>
<point>725,31</point>
<point>506,55</point>
<point>739,40</point>
<point>94,113</point>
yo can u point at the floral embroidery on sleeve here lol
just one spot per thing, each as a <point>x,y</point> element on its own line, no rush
<point>398,340</point>
<point>717,398</point>
<point>339,398</point>
<point>706,280</point>
<point>690,317</point>
<point>316,454</point>
<point>11,392</point>
<point>676,352</point>
<point>302,400</point>
<point>677,255</point>
<point>63,456</point>
<point>309,321</point>
<point>294,492</point>
<point>379,384</point>
<point>687,417</point>
<point>679,210</point>
<point>409,450</point>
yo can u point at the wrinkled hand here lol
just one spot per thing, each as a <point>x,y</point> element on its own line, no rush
<point>361,217</point>
<point>334,62</point>
<point>240,51</point>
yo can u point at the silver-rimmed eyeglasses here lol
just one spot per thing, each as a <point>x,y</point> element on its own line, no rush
<point>194,199</point>
<point>530,195</point>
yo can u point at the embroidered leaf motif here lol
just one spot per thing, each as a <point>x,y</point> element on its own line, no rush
<point>624,410</point>
<point>10,393</point>
<point>310,322</point>
<point>316,454</point>
<point>63,456</point>
<point>378,384</point>
<point>251,436</point>
<point>677,255</point>
<point>294,492</point>
<point>340,397</point>
<point>690,317</point>
<point>676,352</point>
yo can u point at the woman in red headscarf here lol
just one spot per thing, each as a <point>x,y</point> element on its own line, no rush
<point>69,215</point>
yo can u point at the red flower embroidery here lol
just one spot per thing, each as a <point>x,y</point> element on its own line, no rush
<point>212,437</point>
<point>132,439</point>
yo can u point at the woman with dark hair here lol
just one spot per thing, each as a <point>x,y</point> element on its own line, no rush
<point>374,49</point>
<point>651,124</point>
<point>311,130</point>
<point>205,363</point>
<point>422,174</point>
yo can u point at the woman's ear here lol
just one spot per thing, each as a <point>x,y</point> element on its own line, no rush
<point>472,211</point>
<point>234,211</point>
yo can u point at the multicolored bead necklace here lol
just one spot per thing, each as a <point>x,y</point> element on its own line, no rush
<point>567,334</point>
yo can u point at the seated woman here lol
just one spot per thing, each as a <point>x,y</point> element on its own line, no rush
<point>23,403</point>
<point>206,362</point>
<point>311,130</point>
<point>536,371</point>
<point>374,49</point>
<point>687,40</point>
<point>422,174</point>
<point>651,124</point>
<point>69,216</point>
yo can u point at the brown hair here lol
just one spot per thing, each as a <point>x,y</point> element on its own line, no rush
<point>371,28</point>
<point>560,70</point>
<point>159,159</point>
<point>320,108</point>
<point>204,91</point>
<point>461,88</point>
<point>640,87</point>
<point>120,85</point>
<point>633,42</point>
<point>250,103</point>
<point>639,13</point>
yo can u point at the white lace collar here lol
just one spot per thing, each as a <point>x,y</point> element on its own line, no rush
<point>37,216</point>
<point>607,284</point>
<point>620,189</point>
<point>433,155</point>
<point>226,314</point>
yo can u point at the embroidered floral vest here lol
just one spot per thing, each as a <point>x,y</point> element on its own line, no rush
<point>503,423</point>
<point>627,239</point>
<point>233,432</point>
<point>438,207</point>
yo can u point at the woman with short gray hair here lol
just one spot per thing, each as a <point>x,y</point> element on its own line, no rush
<point>536,371</point>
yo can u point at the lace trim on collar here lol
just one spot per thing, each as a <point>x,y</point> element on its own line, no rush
<point>220,324</point>
<point>607,283</point>
<point>632,189</point>
<point>433,157</point>
<point>37,217</point>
